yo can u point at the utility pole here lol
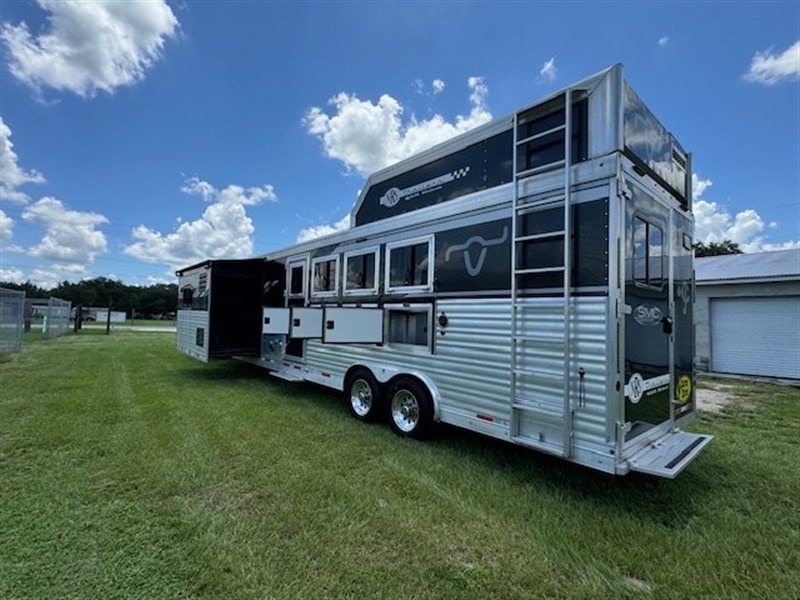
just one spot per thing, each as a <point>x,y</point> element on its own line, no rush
<point>108,317</point>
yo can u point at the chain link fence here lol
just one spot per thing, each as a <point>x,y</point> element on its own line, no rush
<point>12,309</point>
<point>56,321</point>
<point>48,315</point>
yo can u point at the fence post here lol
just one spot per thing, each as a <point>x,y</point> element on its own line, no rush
<point>108,318</point>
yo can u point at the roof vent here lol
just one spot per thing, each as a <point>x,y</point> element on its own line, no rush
<point>679,158</point>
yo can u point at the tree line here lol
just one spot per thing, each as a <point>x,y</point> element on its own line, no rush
<point>152,301</point>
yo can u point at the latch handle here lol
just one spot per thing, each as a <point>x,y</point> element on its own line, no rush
<point>666,324</point>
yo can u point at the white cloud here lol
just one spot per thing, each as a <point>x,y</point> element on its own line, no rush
<point>70,236</point>
<point>699,186</point>
<point>11,175</point>
<point>713,223</point>
<point>12,275</point>
<point>223,231</point>
<point>549,71</point>
<point>89,46</point>
<point>367,137</point>
<point>769,68</point>
<point>310,233</point>
<point>50,276</point>
<point>438,86</point>
<point>6,228</point>
<point>663,41</point>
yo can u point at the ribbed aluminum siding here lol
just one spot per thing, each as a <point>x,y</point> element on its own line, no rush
<point>189,321</point>
<point>471,364</point>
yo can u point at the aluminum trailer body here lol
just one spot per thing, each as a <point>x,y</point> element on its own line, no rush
<point>531,280</point>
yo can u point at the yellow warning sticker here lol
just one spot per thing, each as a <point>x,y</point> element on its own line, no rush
<point>684,389</point>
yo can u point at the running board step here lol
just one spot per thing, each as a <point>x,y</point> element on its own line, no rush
<point>670,454</point>
<point>529,442</point>
<point>286,376</point>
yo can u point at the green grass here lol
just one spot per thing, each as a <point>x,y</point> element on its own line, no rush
<point>149,322</point>
<point>129,470</point>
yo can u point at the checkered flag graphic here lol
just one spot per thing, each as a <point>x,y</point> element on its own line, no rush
<point>459,173</point>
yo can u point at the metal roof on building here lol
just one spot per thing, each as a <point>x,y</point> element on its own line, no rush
<point>783,264</point>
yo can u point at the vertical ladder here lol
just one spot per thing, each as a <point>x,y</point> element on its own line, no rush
<point>544,413</point>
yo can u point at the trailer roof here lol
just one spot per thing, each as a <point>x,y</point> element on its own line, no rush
<point>783,264</point>
<point>210,262</point>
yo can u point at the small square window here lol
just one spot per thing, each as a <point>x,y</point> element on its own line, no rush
<point>361,272</point>
<point>325,272</point>
<point>409,265</point>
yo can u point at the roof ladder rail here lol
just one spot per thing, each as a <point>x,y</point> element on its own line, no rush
<point>544,398</point>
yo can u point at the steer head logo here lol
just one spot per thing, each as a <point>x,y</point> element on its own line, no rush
<point>476,245</point>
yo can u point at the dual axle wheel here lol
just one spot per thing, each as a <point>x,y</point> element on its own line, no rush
<point>407,401</point>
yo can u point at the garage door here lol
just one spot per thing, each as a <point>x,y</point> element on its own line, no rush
<point>756,336</point>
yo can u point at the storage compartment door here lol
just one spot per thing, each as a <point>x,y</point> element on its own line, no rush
<point>306,323</point>
<point>275,321</point>
<point>353,325</point>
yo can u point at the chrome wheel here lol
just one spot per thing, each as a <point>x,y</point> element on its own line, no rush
<point>405,410</point>
<point>361,397</point>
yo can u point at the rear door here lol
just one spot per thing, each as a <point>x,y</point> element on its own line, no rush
<point>649,322</point>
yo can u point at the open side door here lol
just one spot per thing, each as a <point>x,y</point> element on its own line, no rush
<point>353,325</point>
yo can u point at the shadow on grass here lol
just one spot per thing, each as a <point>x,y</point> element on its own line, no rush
<point>646,498</point>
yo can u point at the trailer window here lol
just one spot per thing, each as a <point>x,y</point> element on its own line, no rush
<point>648,253</point>
<point>409,265</point>
<point>409,326</point>
<point>540,134</point>
<point>296,279</point>
<point>325,273</point>
<point>361,272</point>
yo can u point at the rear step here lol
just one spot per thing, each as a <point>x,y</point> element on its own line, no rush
<point>670,454</point>
<point>286,376</point>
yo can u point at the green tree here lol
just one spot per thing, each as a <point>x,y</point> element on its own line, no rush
<point>716,248</point>
<point>147,301</point>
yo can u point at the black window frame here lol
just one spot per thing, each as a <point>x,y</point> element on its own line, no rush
<point>648,281</point>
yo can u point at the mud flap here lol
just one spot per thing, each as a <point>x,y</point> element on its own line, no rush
<point>670,454</point>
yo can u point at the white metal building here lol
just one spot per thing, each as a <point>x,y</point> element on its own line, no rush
<point>747,314</point>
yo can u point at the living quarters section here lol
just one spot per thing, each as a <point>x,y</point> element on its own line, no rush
<point>220,304</point>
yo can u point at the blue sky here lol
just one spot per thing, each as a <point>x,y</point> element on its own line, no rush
<point>140,137</point>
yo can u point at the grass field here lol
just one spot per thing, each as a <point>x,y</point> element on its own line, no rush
<point>128,470</point>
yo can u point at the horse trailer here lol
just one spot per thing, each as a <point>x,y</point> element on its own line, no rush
<point>530,280</point>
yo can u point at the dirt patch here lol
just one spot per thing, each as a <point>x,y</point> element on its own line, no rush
<point>715,397</point>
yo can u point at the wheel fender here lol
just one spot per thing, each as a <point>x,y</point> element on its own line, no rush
<point>385,373</point>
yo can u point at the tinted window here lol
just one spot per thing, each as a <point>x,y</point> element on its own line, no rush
<point>648,253</point>
<point>408,265</point>
<point>325,276</point>
<point>549,148</point>
<point>296,280</point>
<point>361,272</point>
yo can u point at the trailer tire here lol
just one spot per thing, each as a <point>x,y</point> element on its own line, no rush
<point>410,408</point>
<point>363,395</point>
